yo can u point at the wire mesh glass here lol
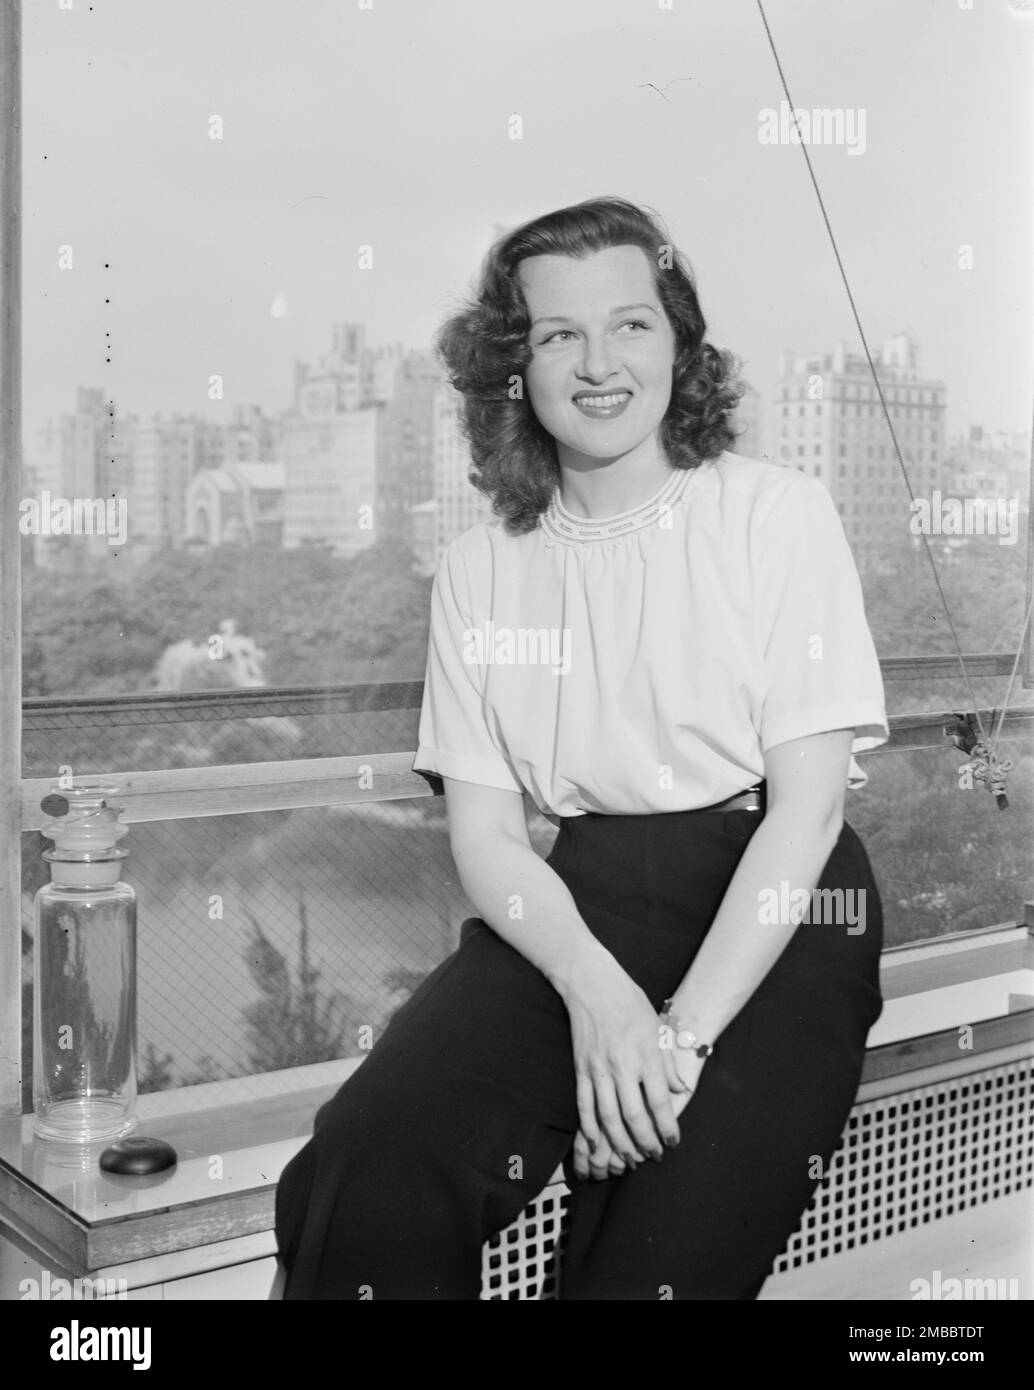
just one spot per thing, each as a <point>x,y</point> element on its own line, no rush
<point>280,938</point>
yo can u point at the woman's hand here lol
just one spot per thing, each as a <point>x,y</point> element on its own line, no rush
<point>625,1079</point>
<point>603,1161</point>
<point>689,1066</point>
<point>600,1162</point>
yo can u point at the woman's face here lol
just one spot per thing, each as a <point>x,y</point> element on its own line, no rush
<point>600,375</point>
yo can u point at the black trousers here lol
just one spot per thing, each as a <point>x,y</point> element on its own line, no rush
<point>466,1104</point>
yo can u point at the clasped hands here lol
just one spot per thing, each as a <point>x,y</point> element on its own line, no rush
<point>630,1089</point>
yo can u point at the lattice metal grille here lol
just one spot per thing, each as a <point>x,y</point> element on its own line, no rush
<point>523,1262</point>
<point>205,729</point>
<point>904,1160</point>
<point>935,694</point>
<point>919,1156</point>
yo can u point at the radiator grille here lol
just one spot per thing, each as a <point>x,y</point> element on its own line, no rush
<point>904,1160</point>
<point>918,1156</point>
<point>523,1261</point>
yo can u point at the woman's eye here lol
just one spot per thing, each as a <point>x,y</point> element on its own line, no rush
<point>561,332</point>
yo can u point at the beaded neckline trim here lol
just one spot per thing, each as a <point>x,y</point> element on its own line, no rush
<point>561,524</point>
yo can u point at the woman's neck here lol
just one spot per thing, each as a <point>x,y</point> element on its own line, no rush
<point>599,488</point>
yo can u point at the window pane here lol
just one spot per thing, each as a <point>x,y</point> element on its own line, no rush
<point>279,939</point>
<point>240,241</point>
<point>945,859</point>
<point>363,900</point>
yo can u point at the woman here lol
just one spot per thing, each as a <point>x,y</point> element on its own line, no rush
<point>664,645</point>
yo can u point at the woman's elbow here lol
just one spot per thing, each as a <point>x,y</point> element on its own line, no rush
<point>819,823</point>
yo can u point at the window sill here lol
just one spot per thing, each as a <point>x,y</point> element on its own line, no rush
<point>231,1146</point>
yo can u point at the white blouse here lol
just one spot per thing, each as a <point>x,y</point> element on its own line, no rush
<point>645,662</point>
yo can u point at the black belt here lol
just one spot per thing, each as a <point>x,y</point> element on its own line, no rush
<point>750,800</point>
<point>753,799</point>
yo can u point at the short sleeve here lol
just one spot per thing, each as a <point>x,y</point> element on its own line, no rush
<point>820,668</point>
<point>454,738</point>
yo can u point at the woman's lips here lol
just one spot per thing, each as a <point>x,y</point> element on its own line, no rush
<point>603,407</point>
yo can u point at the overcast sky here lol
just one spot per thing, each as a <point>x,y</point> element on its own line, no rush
<point>388,126</point>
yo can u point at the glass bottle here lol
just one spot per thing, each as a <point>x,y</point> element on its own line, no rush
<point>84,1002</point>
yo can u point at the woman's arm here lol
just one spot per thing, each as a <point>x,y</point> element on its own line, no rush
<point>806,780</point>
<point>624,1080</point>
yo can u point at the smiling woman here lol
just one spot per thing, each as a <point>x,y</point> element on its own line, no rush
<point>604,367</point>
<point>635,995</point>
<point>587,302</point>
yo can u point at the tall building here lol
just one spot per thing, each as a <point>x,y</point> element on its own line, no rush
<point>748,424</point>
<point>163,458</point>
<point>990,464</point>
<point>405,443</point>
<point>86,434</point>
<point>330,477</point>
<point>333,447</point>
<point>43,466</point>
<point>249,437</point>
<point>86,455</point>
<point>424,533</point>
<point>458,504</point>
<point>83,453</point>
<point>829,423</point>
<point>351,376</point>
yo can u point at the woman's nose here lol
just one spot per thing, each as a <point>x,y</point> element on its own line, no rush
<point>597,359</point>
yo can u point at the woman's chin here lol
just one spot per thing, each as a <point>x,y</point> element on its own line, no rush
<point>587,453</point>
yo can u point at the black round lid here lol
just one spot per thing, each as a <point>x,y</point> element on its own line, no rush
<point>137,1155</point>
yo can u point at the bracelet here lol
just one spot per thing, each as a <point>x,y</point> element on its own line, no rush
<point>684,1037</point>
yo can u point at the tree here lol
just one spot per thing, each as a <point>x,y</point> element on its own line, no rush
<point>983,582</point>
<point>321,617</point>
<point>156,1073</point>
<point>946,859</point>
<point>405,982</point>
<point>206,1069</point>
<point>294,1022</point>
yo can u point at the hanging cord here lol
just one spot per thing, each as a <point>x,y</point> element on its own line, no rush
<point>995,770</point>
<point>985,766</point>
<point>1012,676</point>
<point>1023,631</point>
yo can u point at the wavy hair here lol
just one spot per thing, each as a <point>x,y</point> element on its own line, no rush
<point>485,347</point>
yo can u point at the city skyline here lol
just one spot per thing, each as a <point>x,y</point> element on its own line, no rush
<point>372,445</point>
